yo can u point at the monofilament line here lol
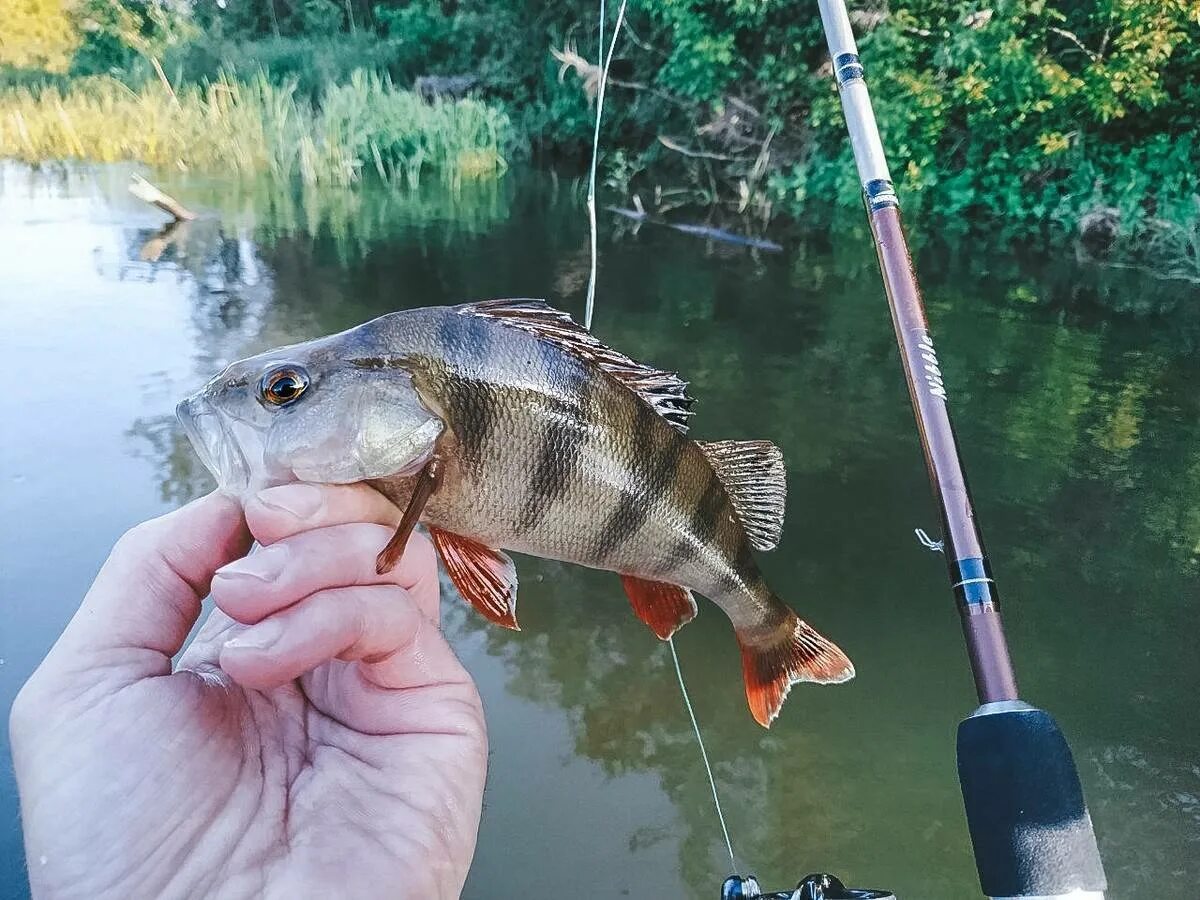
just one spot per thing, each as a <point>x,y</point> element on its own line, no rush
<point>703,755</point>
<point>587,322</point>
<point>591,197</point>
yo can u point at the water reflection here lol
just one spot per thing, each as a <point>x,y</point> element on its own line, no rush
<point>1075,395</point>
<point>183,477</point>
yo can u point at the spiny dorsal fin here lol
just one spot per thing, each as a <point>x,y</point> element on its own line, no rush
<point>666,392</point>
<point>754,477</point>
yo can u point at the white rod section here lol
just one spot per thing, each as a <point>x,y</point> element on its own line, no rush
<point>856,102</point>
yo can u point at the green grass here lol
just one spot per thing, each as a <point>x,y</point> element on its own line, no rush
<point>255,127</point>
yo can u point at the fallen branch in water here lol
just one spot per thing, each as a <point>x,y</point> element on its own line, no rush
<point>144,190</point>
<point>589,74</point>
<point>640,215</point>
<point>171,233</point>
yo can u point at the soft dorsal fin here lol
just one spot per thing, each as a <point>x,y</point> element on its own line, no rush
<point>666,392</point>
<point>754,477</point>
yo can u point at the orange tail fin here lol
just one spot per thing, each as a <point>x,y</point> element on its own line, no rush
<point>793,652</point>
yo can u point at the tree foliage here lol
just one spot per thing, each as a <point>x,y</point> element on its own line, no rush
<point>37,34</point>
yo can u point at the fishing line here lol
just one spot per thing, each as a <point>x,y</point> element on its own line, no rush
<point>591,197</point>
<point>587,321</point>
<point>712,783</point>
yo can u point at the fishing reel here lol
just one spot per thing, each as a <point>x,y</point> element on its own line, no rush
<point>818,886</point>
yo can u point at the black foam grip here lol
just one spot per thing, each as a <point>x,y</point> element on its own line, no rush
<point>1031,829</point>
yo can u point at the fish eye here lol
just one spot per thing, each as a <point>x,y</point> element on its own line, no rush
<point>282,386</point>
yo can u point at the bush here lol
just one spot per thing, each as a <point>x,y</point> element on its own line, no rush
<point>311,63</point>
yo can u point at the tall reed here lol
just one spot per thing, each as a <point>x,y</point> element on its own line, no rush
<point>255,127</point>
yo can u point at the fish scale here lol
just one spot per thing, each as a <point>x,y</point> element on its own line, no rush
<point>514,429</point>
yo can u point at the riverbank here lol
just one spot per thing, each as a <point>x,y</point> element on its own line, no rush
<point>1033,121</point>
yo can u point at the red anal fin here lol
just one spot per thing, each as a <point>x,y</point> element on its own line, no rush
<point>664,607</point>
<point>486,578</point>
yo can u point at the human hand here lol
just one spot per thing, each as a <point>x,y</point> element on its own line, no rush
<point>335,746</point>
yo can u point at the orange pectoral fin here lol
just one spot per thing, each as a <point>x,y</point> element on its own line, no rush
<point>486,578</point>
<point>664,607</point>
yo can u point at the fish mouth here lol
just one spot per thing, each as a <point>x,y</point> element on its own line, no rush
<point>215,443</point>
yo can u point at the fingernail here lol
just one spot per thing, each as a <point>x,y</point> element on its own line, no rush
<point>258,637</point>
<point>299,500</point>
<point>262,565</point>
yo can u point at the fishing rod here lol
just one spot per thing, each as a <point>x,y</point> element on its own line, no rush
<point>1029,825</point>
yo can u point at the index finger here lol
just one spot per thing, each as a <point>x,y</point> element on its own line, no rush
<point>276,514</point>
<point>280,512</point>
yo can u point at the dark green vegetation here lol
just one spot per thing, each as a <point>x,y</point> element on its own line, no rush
<point>1020,115</point>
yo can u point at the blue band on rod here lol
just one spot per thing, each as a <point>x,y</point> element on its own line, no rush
<point>880,194</point>
<point>848,67</point>
<point>973,584</point>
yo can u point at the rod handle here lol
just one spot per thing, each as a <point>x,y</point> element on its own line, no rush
<point>1029,824</point>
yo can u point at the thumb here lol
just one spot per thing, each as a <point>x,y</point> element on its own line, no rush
<point>147,596</point>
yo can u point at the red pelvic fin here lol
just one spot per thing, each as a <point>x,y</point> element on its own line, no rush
<point>486,578</point>
<point>796,652</point>
<point>664,607</point>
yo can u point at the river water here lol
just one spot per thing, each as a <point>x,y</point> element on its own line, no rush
<point>1077,396</point>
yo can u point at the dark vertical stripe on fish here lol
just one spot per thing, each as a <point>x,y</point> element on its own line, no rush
<point>745,569</point>
<point>705,516</point>
<point>471,408</point>
<point>560,446</point>
<point>472,402</point>
<point>650,478</point>
<point>478,337</point>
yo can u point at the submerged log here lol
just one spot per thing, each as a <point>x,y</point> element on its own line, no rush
<point>144,190</point>
<point>1098,229</point>
<point>438,87</point>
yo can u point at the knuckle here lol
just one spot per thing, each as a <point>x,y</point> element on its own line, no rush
<point>328,611</point>
<point>379,609</point>
<point>377,620</point>
<point>134,543</point>
<point>464,715</point>
<point>140,553</point>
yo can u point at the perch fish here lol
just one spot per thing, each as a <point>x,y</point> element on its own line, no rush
<point>503,425</point>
